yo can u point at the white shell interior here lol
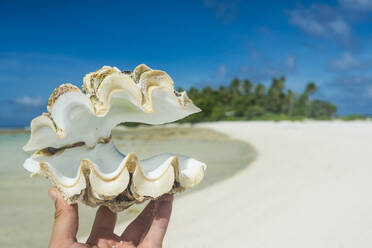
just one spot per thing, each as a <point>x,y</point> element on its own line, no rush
<point>80,128</point>
<point>74,114</point>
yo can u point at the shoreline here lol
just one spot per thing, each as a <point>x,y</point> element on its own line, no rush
<point>29,203</point>
<point>215,173</point>
<point>309,179</point>
<point>17,130</point>
<point>13,131</point>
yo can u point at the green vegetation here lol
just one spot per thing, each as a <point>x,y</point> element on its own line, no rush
<point>243,100</point>
<point>352,117</point>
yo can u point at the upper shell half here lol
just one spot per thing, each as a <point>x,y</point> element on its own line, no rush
<point>73,147</point>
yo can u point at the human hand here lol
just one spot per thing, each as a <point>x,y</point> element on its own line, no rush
<point>147,230</point>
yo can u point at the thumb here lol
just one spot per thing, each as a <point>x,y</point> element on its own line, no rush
<point>66,221</point>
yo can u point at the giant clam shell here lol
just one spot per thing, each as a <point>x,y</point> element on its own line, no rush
<point>72,142</point>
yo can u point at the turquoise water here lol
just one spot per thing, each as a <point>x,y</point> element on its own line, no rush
<point>19,194</point>
<point>26,212</point>
<point>11,152</point>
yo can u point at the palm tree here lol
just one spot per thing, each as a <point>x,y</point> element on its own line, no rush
<point>247,85</point>
<point>259,91</point>
<point>275,100</point>
<point>223,94</point>
<point>291,96</point>
<point>234,87</point>
<point>311,88</point>
<point>278,84</point>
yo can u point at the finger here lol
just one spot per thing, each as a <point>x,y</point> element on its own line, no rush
<point>140,225</point>
<point>105,219</point>
<point>66,221</point>
<point>156,233</point>
<point>103,225</point>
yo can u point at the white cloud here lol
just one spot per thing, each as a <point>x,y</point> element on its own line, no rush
<point>334,23</point>
<point>221,71</point>
<point>340,27</point>
<point>331,22</point>
<point>348,62</point>
<point>321,20</point>
<point>291,62</point>
<point>359,5</point>
<point>345,63</point>
<point>29,101</point>
<point>308,23</point>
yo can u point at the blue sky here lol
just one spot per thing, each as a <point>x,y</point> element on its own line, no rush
<point>199,43</point>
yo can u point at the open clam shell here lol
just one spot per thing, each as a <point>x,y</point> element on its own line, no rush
<point>72,142</point>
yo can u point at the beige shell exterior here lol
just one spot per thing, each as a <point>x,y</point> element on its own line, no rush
<point>55,140</point>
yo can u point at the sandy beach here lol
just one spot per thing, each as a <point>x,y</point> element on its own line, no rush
<point>268,184</point>
<point>310,186</point>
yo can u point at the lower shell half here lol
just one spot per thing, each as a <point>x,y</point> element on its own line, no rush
<point>72,142</point>
<point>103,176</point>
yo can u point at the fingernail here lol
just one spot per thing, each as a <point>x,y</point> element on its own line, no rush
<point>53,195</point>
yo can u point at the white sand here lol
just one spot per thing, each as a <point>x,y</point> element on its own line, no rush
<point>311,186</point>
